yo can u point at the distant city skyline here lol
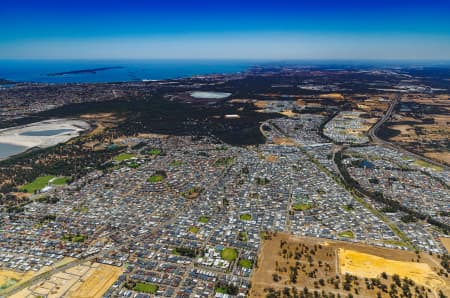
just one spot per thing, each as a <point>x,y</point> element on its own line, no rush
<point>272,30</point>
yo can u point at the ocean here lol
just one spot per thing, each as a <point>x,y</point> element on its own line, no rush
<point>117,70</point>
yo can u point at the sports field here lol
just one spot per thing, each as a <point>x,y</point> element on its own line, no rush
<point>123,156</point>
<point>38,184</point>
<point>43,181</point>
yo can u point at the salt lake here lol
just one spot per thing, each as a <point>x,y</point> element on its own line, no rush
<point>15,140</point>
<point>7,150</point>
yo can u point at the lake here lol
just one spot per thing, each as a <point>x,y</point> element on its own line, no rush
<point>45,133</point>
<point>7,150</point>
<point>209,95</point>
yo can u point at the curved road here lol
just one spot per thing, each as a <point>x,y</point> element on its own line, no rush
<point>373,130</point>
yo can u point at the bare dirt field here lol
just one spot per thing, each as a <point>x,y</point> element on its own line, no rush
<point>289,263</point>
<point>422,124</point>
<point>88,280</point>
<point>336,96</point>
<point>261,104</point>
<point>370,266</point>
<point>101,121</point>
<point>10,279</point>
<point>97,283</point>
<point>271,158</point>
<point>446,242</point>
<point>284,141</point>
<point>289,113</point>
<point>440,156</point>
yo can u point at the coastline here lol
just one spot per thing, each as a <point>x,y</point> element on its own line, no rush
<point>130,71</point>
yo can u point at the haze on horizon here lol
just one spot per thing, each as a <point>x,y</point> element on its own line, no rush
<point>135,29</point>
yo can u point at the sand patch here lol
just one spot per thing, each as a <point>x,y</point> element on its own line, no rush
<point>289,113</point>
<point>96,116</point>
<point>281,252</point>
<point>370,266</point>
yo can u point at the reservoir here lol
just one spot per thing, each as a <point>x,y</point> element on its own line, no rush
<point>7,150</point>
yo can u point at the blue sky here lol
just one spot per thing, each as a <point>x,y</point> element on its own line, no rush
<point>79,29</point>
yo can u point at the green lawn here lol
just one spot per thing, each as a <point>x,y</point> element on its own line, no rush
<point>192,192</point>
<point>194,230</point>
<point>154,151</point>
<point>203,219</point>
<point>395,242</point>
<point>245,216</point>
<point>243,236</point>
<point>263,234</point>
<point>123,156</point>
<point>424,164</point>
<point>221,290</point>
<point>133,165</point>
<point>229,254</point>
<point>81,209</point>
<point>61,180</point>
<point>346,234</point>
<point>262,181</point>
<point>38,184</point>
<point>245,264</point>
<point>301,207</point>
<point>146,288</point>
<point>348,207</point>
<point>74,238</point>
<point>224,161</point>
<point>176,163</point>
<point>155,178</point>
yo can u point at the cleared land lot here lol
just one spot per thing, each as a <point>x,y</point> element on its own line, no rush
<point>343,268</point>
<point>88,280</point>
<point>10,279</point>
<point>446,242</point>
<point>97,283</point>
<point>421,124</point>
<point>370,266</point>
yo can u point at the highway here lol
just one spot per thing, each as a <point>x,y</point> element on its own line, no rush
<point>376,140</point>
<point>384,118</point>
